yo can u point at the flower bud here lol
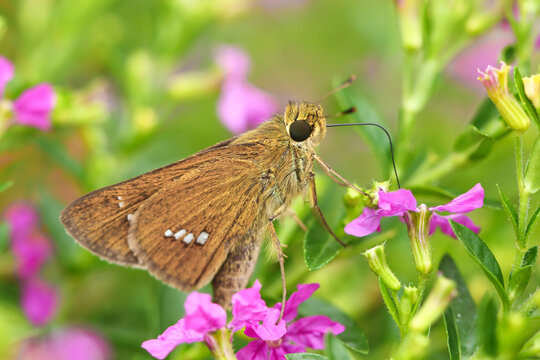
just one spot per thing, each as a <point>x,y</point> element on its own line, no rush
<point>496,83</point>
<point>409,12</point>
<point>438,300</point>
<point>407,302</point>
<point>532,89</point>
<point>418,229</point>
<point>377,263</point>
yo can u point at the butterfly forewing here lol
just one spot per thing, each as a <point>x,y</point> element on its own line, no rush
<point>100,220</point>
<point>183,233</point>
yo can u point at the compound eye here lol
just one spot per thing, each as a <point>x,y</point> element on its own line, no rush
<point>299,130</point>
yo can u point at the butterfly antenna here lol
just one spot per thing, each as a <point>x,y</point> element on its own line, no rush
<point>343,85</point>
<point>387,135</point>
<point>350,110</point>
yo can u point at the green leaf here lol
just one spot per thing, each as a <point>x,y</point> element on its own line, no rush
<point>353,337</point>
<point>305,356</point>
<point>319,246</point>
<point>389,302</point>
<point>452,336</point>
<point>481,254</point>
<point>336,350</point>
<point>49,209</point>
<point>374,137</point>
<point>487,325</point>
<point>508,54</point>
<point>487,121</point>
<point>525,101</point>
<point>4,235</point>
<point>509,209</point>
<point>531,223</point>
<point>59,153</point>
<point>463,310</point>
<point>519,278</point>
<point>474,144</point>
<point>532,173</point>
<point>6,185</point>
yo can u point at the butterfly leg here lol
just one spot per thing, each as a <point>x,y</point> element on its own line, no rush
<point>281,257</point>
<point>314,204</point>
<point>338,179</point>
<point>235,272</point>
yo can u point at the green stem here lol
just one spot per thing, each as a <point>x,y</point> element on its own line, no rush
<point>523,195</point>
<point>220,345</point>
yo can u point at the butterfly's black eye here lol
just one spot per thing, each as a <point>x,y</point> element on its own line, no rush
<point>299,130</point>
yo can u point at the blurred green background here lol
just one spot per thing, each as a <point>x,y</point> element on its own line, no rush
<point>123,109</point>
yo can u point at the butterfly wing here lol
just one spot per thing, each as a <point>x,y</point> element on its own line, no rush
<point>183,233</point>
<point>99,221</point>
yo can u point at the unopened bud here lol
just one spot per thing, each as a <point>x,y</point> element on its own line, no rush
<point>532,89</point>
<point>438,300</point>
<point>418,229</point>
<point>377,263</point>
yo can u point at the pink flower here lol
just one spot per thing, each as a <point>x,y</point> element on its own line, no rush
<point>398,203</point>
<point>66,344</point>
<point>39,301</point>
<point>30,248</point>
<point>248,308</point>
<point>23,219</point>
<point>241,105</point>
<point>31,253</point>
<point>33,107</point>
<point>6,73</point>
<point>273,340</point>
<point>202,317</point>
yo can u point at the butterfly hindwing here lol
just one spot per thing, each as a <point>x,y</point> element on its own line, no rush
<point>99,221</point>
<point>184,232</point>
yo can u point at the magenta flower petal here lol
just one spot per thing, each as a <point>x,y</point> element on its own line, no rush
<point>248,308</point>
<point>464,203</point>
<point>233,61</point>
<point>270,329</point>
<point>396,203</point>
<point>439,221</point>
<point>22,218</point>
<point>6,73</point>
<point>33,107</point>
<point>242,107</point>
<point>67,344</point>
<point>367,223</point>
<point>31,252</point>
<point>202,315</point>
<point>310,331</point>
<point>39,301</point>
<point>298,297</point>
<point>173,336</point>
<point>255,350</point>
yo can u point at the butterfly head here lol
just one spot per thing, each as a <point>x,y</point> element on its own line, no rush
<point>305,123</point>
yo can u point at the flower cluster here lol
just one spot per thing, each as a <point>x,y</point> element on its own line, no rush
<point>32,108</point>
<point>39,299</point>
<point>241,106</point>
<point>31,249</point>
<point>272,338</point>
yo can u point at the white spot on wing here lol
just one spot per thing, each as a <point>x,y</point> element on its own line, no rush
<point>201,239</point>
<point>179,234</point>
<point>121,204</point>
<point>189,238</point>
<point>129,217</point>
<point>119,198</point>
<point>168,233</point>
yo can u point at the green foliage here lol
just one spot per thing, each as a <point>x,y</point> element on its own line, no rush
<point>481,254</point>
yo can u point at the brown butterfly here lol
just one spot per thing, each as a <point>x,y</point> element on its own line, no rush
<point>203,218</point>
